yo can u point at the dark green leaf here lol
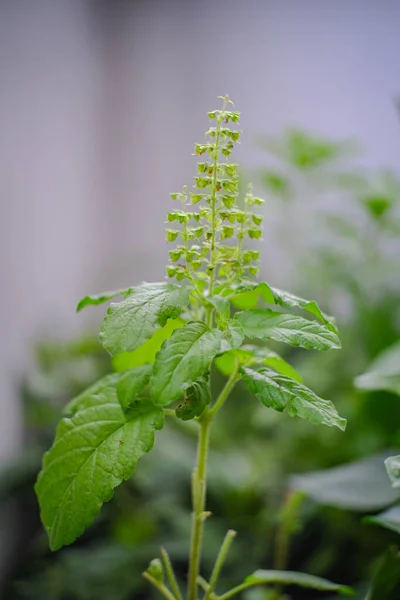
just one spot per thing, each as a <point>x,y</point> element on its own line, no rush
<point>132,385</point>
<point>183,358</point>
<point>383,372</point>
<point>93,453</point>
<point>129,385</point>
<point>290,329</point>
<point>282,393</point>
<point>101,298</point>
<point>390,519</point>
<point>386,583</point>
<point>197,397</point>
<point>361,485</point>
<point>104,386</point>
<point>131,322</point>
<point>300,579</point>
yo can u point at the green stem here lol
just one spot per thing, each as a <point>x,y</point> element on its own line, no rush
<point>236,590</point>
<point>160,586</point>
<point>170,412</point>
<point>171,574</point>
<point>202,583</point>
<point>199,497</point>
<point>226,544</point>
<point>214,213</point>
<point>225,392</point>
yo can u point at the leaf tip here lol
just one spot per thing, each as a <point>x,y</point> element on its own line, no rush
<point>346,590</point>
<point>81,304</point>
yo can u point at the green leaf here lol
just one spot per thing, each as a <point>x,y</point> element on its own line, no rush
<point>362,485</point>
<point>233,336</point>
<point>265,356</point>
<point>221,306</point>
<point>277,183</point>
<point>226,363</point>
<point>129,385</point>
<point>291,329</point>
<point>300,579</point>
<point>390,519</point>
<point>132,385</point>
<point>383,372</point>
<point>249,354</point>
<point>282,393</point>
<point>103,386</point>
<point>147,352</point>
<point>197,397</point>
<point>287,300</point>
<point>386,582</point>
<point>183,358</point>
<point>247,294</point>
<point>93,453</point>
<point>131,322</point>
<point>307,152</point>
<point>101,298</point>
<point>392,464</point>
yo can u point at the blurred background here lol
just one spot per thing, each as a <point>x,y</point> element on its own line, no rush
<point>100,104</point>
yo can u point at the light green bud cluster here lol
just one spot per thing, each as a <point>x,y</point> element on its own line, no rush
<point>209,225</point>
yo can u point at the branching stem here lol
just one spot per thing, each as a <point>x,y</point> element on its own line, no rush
<point>171,574</point>
<point>199,490</point>
<point>199,497</point>
<point>225,392</point>
<point>160,586</point>
<point>226,544</point>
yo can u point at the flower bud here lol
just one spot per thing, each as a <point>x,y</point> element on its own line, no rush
<point>156,570</point>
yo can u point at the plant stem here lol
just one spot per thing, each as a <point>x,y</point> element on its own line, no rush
<point>160,586</point>
<point>199,497</point>
<point>171,575</point>
<point>236,590</point>
<point>170,412</point>
<point>225,392</point>
<point>214,207</point>
<point>202,583</point>
<point>226,544</point>
<point>199,486</point>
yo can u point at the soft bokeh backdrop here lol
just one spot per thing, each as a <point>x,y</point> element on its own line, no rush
<point>100,103</point>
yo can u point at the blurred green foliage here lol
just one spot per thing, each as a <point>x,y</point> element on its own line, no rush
<point>349,262</point>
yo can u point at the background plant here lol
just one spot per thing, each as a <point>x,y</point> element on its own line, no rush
<point>352,265</point>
